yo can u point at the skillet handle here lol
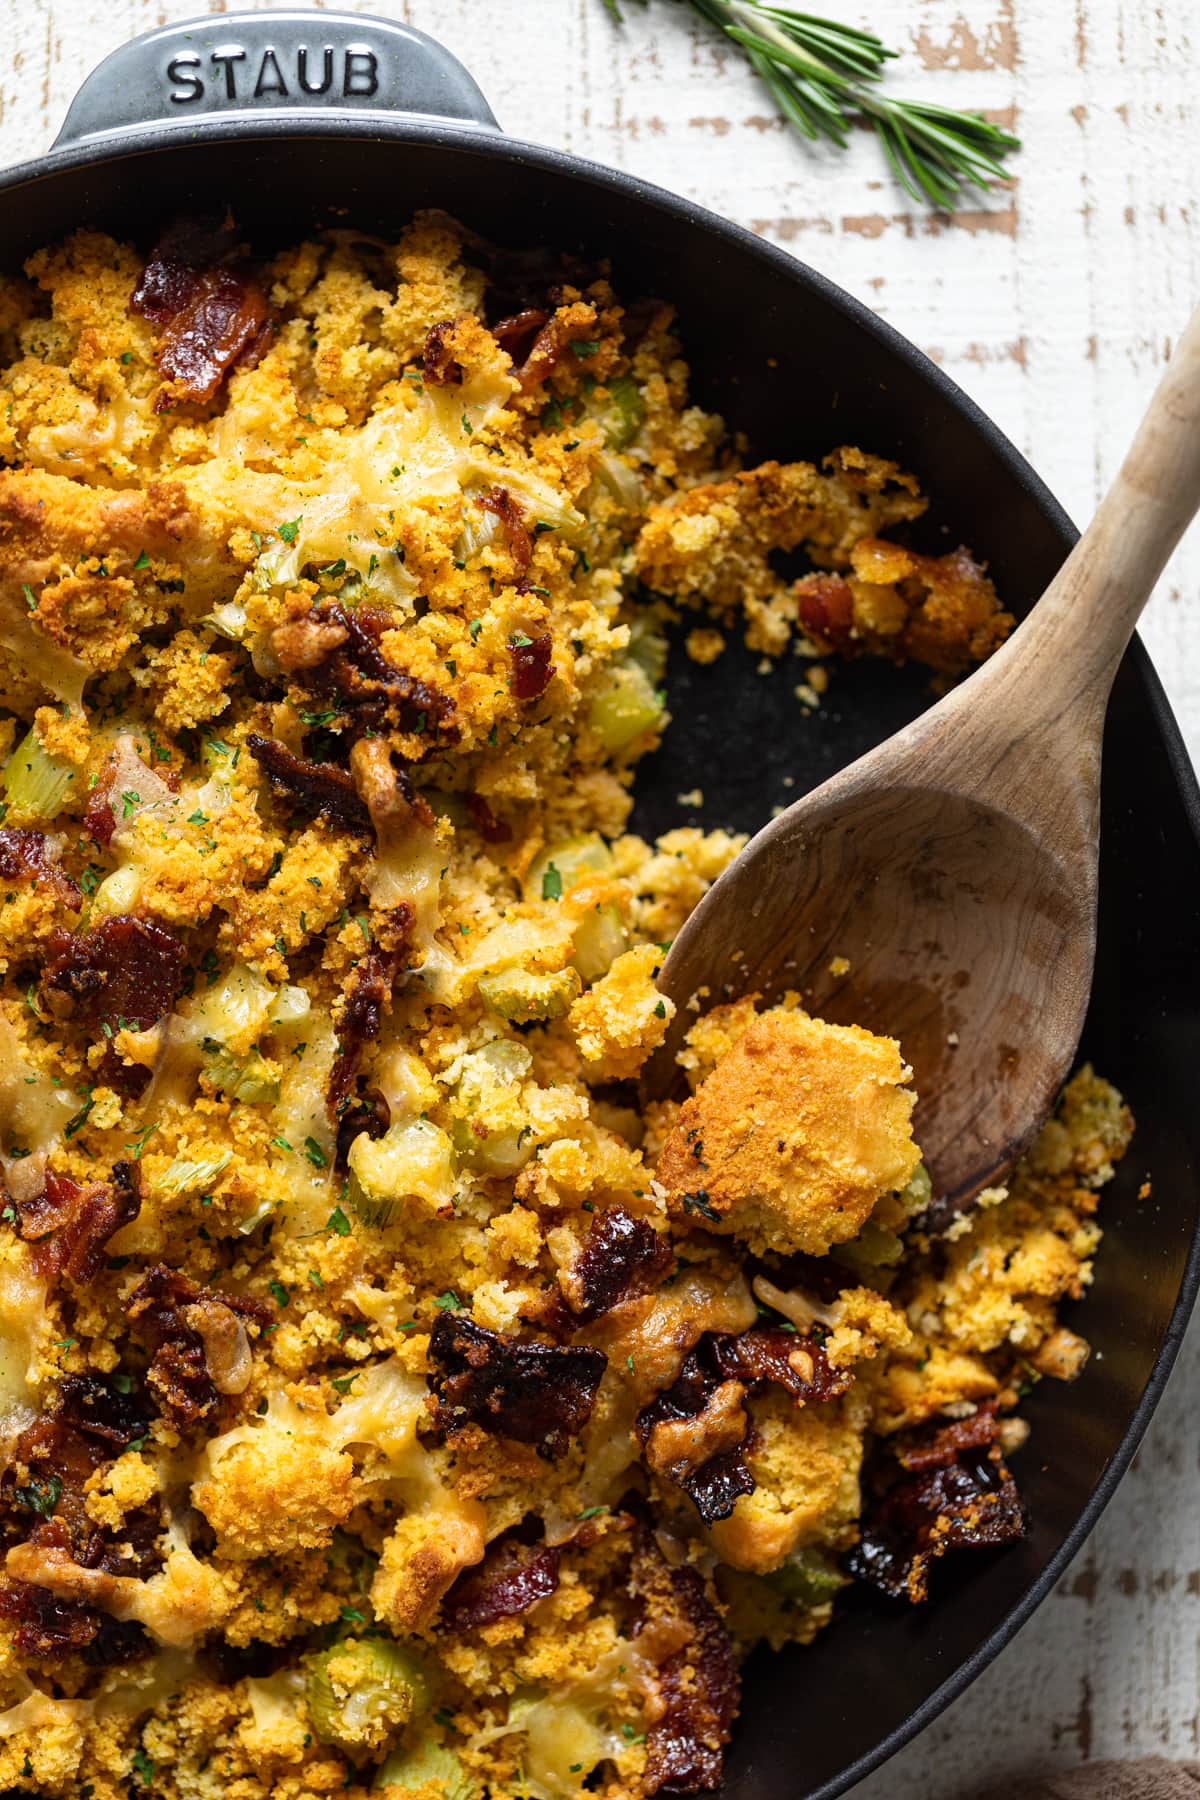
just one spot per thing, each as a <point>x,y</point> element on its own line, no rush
<point>291,62</point>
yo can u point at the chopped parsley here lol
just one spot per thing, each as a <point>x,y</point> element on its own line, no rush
<point>41,1495</point>
<point>289,531</point>
<point>338,1222</point>
<point>449,1302</point>
<point>699,1203</point>
<point>552,886</point>
<point>279,1293</point>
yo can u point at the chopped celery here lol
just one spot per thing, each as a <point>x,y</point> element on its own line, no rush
<point>522,995</point>
<point>620,480</point>
<point>542,502</point>
<point>918,1193</point>
<point>183,1177</point>
<point>413,1160</point>
<point>229,619</point>
<point>872,1252</point>
<point>290,1008</point>
<point>573,857</point>
<point>624,414</point>
<point>600,935</point>
<point>411,1768</point>
<point>234,1010</point>
<point>35,783</point>
<point>599,939</point>
<point>480,526</point>
<point>626,708</point>
<point>253,1079</point>
<point>118,892</point>
<point>252,1221</point>
<point>362,1692</point>
<point>648,649</point>
<point>806,1577</point>
<point>490,1131</point>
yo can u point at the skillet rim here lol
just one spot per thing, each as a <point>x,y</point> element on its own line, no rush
<point>101,151</point>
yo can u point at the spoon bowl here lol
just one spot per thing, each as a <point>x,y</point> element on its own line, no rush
<point>953,921</point>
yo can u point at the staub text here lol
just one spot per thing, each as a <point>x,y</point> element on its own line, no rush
<point>241,74</point>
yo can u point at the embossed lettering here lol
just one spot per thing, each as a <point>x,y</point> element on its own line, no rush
<point>361,75</point>
<point>311,87</point>
<point>269,67</point>
<point>182,71</point>
<point>225,57</point>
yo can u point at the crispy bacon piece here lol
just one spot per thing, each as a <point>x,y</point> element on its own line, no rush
<point>223,322</point>
<point>441,369</point>
<point>826,611</point>
<point>319,790</point>
<point>548,349</point>
<point>93,1405</point>
<point>358,678</point>
<point>189,243</point>
<point>158,1314</point>
<point>956,1493</point>
<point>99,818</point>
<point>371,1115</point>
<point>69,1224</point>
<point>517,332</point>
<point>540,1394</point>
<point>518,1570</point>
<point>368,1000</point>
<point>42,1502</point>
<point>793,1362</point>
<point>25,856</point>
<point>948,1442</point>
<point>621,1256</point>
<point>491,829</point>
<point>531,665</point>
<point>681,1632</point>
<point>124,972</point>
<point>511,1578</point>
<point>48,1629</point>
<point>719,1371</point>
<point>520,280</point>
<point>511,514</point>
<point>213,315</point>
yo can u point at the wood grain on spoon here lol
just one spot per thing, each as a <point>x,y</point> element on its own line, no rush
<point>954,868</point>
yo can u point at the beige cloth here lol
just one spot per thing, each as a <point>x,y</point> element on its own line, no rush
<point>1150,1779</point>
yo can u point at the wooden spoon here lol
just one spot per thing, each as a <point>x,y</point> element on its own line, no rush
<point>954,868</point>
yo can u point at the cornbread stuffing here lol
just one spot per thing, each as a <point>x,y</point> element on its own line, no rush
<point>390,1404</point>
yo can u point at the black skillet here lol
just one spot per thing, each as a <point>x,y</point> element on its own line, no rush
<point>196,115</point>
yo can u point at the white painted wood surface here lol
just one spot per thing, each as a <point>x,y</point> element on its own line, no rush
<point>1054,305</point>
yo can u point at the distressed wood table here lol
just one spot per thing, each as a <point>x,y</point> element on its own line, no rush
<point>1054,305</point>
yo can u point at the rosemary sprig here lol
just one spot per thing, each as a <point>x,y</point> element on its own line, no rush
<point>820,73</point>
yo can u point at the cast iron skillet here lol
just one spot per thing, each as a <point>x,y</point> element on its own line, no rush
<point>173,122</point>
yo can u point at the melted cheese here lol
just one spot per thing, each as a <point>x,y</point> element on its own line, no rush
<point>33,1113</point>
<point>77,445</point>
<point>41,1712</point>
<point>38,658</point>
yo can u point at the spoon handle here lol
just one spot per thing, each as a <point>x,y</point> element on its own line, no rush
<point>1080,628</point>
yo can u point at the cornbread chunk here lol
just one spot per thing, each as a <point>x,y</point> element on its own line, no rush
<point>801,1128</point>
